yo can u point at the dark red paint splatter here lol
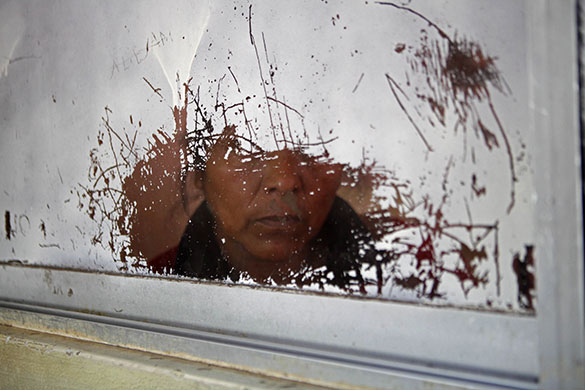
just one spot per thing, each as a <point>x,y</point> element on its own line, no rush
<point>458,74</point>
<point>524,270</point>
<point>134,199</point>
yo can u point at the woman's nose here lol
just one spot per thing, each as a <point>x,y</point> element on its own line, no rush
<point>281,173</point>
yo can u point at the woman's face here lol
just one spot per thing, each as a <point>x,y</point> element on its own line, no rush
<point>267,206</point>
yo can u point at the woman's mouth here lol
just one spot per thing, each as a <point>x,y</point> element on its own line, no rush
<point>279,222</point>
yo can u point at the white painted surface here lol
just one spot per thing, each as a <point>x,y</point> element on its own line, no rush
<point>250,327</point>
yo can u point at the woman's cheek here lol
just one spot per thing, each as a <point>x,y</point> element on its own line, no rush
<point>322,180</point>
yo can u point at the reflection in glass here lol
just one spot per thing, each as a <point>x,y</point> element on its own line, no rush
<point>274,217</point>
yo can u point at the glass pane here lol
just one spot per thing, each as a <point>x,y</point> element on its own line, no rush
<point>378,149</point>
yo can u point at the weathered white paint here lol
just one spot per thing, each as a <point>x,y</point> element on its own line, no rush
<point>33,360</point>
<point>560,219</point>
<point>356,341</point>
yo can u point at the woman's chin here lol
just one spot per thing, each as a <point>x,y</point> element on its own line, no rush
<point>276,252</point>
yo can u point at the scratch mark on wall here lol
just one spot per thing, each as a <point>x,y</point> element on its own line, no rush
<point>60,177</point>
<point>50,246</point>
<point>43,228</point>
<point>358,83</point>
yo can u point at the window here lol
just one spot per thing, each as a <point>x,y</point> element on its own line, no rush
<point>431,121</point>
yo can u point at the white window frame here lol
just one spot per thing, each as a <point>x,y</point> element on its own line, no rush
<point>352,341</point>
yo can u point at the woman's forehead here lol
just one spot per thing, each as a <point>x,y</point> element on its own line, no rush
<point>230,145</point>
